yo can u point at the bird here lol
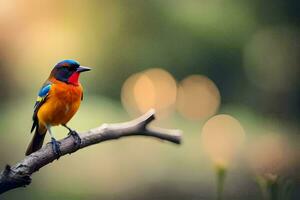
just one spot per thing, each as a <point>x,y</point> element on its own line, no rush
<point>57,102</point>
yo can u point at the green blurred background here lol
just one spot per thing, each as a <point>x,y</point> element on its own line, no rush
<point>247,49</point>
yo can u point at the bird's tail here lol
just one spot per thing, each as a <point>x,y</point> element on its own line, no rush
<point>37,140</point>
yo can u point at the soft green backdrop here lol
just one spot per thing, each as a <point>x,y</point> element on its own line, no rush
<point>249,48</point>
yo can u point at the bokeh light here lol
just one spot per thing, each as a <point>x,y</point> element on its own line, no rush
<point>144,93</point>
<point>271,58</point>
<point>154,88</point>
<point>198,97</point>
<point>127,94</point>
<point>222,136</point>
<point>269,154</point>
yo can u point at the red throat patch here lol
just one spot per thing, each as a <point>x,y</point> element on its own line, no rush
<point>74,78</point>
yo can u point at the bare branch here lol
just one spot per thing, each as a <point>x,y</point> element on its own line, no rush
<point>19,174</point>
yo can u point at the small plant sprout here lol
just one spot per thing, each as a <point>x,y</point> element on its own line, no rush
<point>222,136</point>
<point>269,156</point>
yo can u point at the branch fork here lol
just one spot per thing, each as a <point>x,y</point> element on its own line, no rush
<point>19,175</point>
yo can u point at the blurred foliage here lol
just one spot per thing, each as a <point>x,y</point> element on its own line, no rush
<point>119,38</point>
<point>248,48</point>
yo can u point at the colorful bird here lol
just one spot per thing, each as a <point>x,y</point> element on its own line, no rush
<point>57,102</point>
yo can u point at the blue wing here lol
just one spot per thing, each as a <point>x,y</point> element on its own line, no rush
<point>43,93</point>
<point>45,90</point>
<point>42,97</point>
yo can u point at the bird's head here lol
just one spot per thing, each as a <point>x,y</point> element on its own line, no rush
<point>68,71</point>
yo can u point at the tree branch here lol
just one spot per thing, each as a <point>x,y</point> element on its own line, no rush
<point>19,174</point>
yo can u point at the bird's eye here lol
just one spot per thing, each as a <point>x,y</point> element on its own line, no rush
<point>67,68</point>
<point>72,68</point>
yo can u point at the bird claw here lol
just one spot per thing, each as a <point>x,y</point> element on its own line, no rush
<point>76,137</point>
<point>56,147</point>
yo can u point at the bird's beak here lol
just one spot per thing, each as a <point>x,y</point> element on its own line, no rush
<point>83,69</point>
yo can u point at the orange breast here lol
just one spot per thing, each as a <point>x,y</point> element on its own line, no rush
<point>62,103</point>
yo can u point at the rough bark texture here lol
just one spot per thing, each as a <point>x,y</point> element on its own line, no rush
<point>19,174</point>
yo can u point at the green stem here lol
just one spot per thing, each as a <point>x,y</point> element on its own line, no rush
<point>273,190</point>
<point>262,183</point>
<point>268,184</point>
<point>221,175</point>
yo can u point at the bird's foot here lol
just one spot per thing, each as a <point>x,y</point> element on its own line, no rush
<point>56,147</point>
<point>76,137</point>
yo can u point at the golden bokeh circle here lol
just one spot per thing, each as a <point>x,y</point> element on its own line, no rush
<point>198,97</point>
<point>153,88</point>
<point>269,154</point>
<point>222,136</point>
